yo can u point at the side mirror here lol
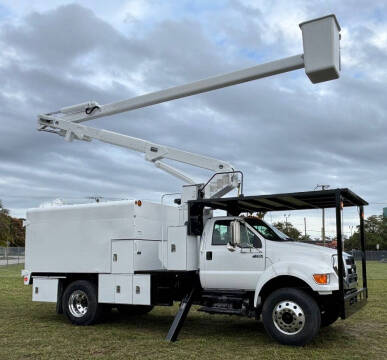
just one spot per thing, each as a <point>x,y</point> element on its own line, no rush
<point>236,232</point>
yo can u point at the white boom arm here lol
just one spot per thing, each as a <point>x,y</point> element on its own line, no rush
<point>321,60</point>
<point>78,114</point>
<point>153,152</point>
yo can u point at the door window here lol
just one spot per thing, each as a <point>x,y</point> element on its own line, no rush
<point>222,233</point>
<point>248,238</point>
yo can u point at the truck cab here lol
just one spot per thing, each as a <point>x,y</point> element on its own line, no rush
<point>240,253</point>
<point>246,258</point>
<point>248,267</point>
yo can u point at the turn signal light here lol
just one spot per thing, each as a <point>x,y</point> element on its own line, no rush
<point>321,279</point>
<point>138,202</point>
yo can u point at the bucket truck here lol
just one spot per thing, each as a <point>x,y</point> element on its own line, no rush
<point>134,255</point>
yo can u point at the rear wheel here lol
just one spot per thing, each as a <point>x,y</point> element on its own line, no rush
<point>291,316</point>
<point>80,303</point>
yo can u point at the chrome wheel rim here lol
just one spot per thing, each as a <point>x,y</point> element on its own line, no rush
<point>78,303</point>
<point>288,317</point>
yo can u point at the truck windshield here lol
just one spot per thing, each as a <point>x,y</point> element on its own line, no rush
<point>267,231</point>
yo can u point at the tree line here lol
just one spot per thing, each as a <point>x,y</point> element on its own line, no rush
<point>375,229</point>
<point>12,231</point>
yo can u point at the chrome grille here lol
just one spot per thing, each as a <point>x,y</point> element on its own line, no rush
<point>350,271</point>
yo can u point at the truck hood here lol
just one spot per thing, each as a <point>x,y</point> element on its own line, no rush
<point>287,250</point>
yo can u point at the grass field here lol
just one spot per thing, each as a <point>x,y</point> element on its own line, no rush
<point>34,331</point>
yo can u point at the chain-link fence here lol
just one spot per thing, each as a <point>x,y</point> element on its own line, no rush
<point>373,255</point>
<point>11,255</point>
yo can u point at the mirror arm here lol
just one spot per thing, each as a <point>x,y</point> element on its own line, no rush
<point>230,247</point>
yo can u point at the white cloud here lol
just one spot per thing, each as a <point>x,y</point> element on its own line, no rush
<point>284,133</point>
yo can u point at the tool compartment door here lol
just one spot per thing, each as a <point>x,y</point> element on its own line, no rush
<point>182,249</point>
<point>115,288</point>
<point>146,255</point>
<point>122,256</point>
<point>123,289</point>
<point>177,248</point>
<point>45,289</point>
<point>142,289</point>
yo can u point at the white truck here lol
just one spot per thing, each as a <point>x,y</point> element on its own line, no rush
<point>134,255</point>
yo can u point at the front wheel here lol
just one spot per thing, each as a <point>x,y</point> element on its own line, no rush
<point>80,303</point>
<point>291,316</point>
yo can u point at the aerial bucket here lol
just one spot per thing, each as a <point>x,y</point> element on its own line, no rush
<point>321,40</point>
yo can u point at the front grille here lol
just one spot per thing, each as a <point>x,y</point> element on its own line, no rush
<point>350,270</point>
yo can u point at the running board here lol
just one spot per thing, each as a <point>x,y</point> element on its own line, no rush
<point>221,310</point>
<point>178,322</point>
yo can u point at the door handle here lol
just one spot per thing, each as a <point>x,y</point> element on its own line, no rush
<point>209,255</point>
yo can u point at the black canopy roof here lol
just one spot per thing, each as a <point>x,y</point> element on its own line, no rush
<point>282,202</point>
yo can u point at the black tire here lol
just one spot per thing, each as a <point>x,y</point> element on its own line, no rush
<point>329,316</point>
<point>80,303</point>
<point>133,310</point>
<point>297,316</point>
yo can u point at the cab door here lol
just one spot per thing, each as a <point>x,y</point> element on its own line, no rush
<point>224,267</point>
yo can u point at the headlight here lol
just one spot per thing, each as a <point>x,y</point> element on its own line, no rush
<point>335,264</point>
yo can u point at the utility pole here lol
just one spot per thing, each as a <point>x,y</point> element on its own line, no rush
<point>323,187</point>
<point>286,221</point>
<point>7,241</point>
<point>305,226</point>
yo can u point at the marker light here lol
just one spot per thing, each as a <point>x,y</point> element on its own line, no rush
<point>322,279</point>
<point>138,202</point>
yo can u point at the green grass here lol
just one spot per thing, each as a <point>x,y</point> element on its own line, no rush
<point>34,331</point>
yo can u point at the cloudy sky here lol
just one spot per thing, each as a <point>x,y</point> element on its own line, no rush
<point>283,132</point>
